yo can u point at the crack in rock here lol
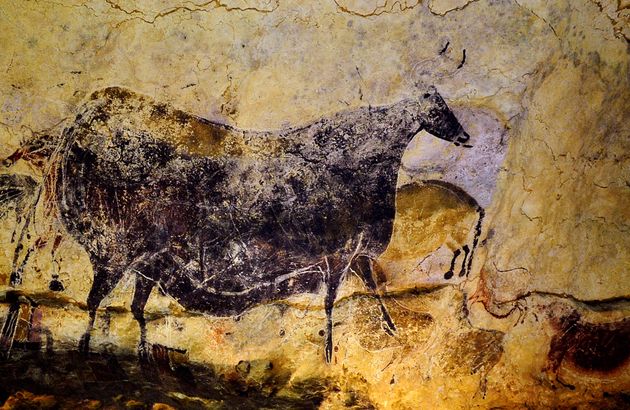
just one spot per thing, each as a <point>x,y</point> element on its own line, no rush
<point>150,16</point>
<point>443,7</point>
<point>371,8</point>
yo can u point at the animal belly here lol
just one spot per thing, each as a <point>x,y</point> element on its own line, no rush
<point>203,297</point>
<point>196,296</point>
<point>241,276</point>
<point>115,218</point>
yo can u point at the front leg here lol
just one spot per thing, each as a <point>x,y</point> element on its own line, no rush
<point>332,284</point>
<point>332,279</point>
<point>365,267</point>
<point>144,285</point>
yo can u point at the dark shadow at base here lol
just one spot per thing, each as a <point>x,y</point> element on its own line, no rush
<point>70,379</point>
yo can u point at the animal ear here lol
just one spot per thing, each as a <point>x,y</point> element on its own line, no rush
<point>431,90</point>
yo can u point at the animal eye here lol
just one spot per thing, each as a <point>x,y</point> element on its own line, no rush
<point>427,95</point>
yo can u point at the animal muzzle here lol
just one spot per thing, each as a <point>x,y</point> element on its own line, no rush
<point>461,138</point>
<point>11,159</point>
<point>36,152</point>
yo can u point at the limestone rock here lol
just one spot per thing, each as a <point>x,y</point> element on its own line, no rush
<point>532,210</point>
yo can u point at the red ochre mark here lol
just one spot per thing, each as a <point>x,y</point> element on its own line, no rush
<point>589,347</point>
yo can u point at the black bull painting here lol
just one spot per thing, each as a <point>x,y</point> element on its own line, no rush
<point>223,219</point>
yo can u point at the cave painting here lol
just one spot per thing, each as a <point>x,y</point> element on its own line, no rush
<point>223,219</point>
<point>592,348</point>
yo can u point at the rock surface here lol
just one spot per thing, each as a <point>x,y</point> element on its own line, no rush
<point>540,321</point>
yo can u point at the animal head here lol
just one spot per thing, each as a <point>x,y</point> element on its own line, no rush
<point>439,120</point>
<point>36,151</point>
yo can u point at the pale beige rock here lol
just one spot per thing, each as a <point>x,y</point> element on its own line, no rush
<point>548,80</point>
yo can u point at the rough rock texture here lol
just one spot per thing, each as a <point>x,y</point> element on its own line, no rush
<point>540,320</point>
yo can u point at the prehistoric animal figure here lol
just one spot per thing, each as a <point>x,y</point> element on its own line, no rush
<point>15,192</point>
<point>442,204</point>
<point>223,219</point>
<point>595,348</point>
<point>430,214</point>
<point>22,326</point>
<point>18,193</point>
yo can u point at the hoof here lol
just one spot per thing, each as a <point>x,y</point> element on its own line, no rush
<point>388,324</point>
<point>329,349</point>
<point>328,354</point>
<point>143,353</point>
<point>84,344</point>
<point>389,328</point>
<point>16,279</point>
<point>448,274</point>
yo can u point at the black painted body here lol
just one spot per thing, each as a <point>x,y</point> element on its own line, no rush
<point>246,218</point>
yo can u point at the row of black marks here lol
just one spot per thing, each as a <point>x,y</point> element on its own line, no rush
<point>461,64</point>
<point>22,328</point>
<point>467,259</point>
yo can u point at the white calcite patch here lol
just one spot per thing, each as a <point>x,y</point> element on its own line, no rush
<point>474,169</point>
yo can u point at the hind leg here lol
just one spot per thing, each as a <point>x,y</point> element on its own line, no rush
<point>105,279</point>
<point>148,274</point>
<point>144,286</point>
<point>364,267</point>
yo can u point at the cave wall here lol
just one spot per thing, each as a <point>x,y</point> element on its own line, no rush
<point>540,320</point>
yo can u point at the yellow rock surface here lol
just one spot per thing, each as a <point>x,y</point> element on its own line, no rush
<point>541,321</point>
